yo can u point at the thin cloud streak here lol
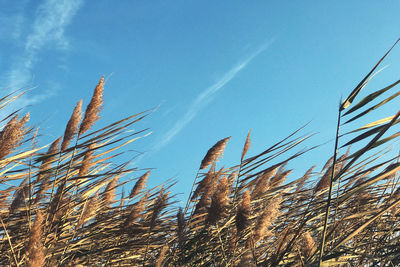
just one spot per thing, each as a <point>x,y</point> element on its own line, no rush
<point>205,97</point>
<point>52,17</point>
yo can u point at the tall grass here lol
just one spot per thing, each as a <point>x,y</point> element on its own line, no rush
<point>62,205</point>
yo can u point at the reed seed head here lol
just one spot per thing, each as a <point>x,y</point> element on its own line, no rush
<point>12,135</point>
<point>93,109</point>
<point>219,202</point>
<point>214,153</point>
<point>87,161</point>
<point>72,126</point>
<point>35,251</point>
<point>243,212</point>
<point>139,185</point>
<point>267,218</point>
<point>246,146</point>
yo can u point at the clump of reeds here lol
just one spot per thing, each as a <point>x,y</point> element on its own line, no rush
<point>68,205</point>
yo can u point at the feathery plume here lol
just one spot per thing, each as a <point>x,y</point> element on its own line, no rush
<point>208,190</point>
<point>308,245</point>
<point>93,109</point>
<point>325,180</point>
<point>267,218</point>
<point>35,251</point>
<point>49,158</point>
<point>139,185</point>
<point>302,180</point>
<point>180,229</point>
<point>219,202</point>
<point>279,178</point>
<point>136,210</point>
<point>109,192</point>
<point>72,126</point>
<point>246,259</point>
<point>87,161</point>
<point>214,153</point>
<point>161,256</point>
<point>243,213</point>
<point>159,205</point>
<point>263,182</point>
<point>19,196</point>
<point>12,135</point>
<point>89,210</point>
<point>202,185</point>
<point>45,167</point>
<point>246,146</point>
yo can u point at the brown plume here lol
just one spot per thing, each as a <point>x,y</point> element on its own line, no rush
<point>265,221</point>
<point>49,158</point>
<point>35,251</point>
<point>161,256</point>
<point>214,153</point>
<point>243,212</point>
<point>202,185</point>
<point>93,109</point>
<point>139,185</point>
<point>89,210</point>
<point>19,196</point>
<point>12,135</point>
<point>136,210</point>
<point>72,126</point>
<point>159,205</point>
<point>246,147</point>
<point>308,245</point>
<point>263,182</point>
<point>219,202</point>
<point>109,192</point>
<point>87,161</point>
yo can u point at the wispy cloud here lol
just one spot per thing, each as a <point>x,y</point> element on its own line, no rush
<point>205,97</point>
<point>51,19</point>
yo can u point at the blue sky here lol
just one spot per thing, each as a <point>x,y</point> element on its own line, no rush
<point>213,68</point>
